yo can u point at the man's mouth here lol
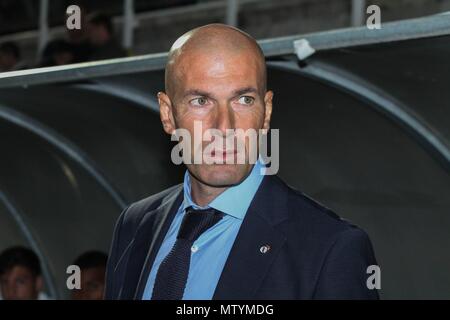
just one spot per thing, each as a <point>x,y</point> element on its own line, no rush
<point>222,156</point>
<point>223,153</point>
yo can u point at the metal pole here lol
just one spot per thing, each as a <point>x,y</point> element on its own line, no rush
<point>43,25</point>
<point>358,12</point>
<point>232,13</point>
<point>128,24</point>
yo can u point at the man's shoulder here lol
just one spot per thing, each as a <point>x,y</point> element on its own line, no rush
<point>135,212</point>
<point>314,232</point>
<point>155,200</point>
<point>313,217</point>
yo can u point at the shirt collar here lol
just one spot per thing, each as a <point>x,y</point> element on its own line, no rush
<point>235,200</point>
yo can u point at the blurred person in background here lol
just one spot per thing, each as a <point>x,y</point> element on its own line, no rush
<point>101,37</point>
<point>57,53</point>
<point>10,57</point>
<point>92,265</point>
<point>20,274</point>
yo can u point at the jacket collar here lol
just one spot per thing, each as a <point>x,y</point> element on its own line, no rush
<point>147,240</point>
<point>257,244</point>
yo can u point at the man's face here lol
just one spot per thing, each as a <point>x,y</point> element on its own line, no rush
<point>92,284</point>
<point>19,283</point>
<point>222,91</point>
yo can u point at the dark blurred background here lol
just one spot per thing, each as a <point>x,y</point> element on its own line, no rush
<point>155,24</point>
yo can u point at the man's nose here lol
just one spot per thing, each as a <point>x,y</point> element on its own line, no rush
<point>225,118</point>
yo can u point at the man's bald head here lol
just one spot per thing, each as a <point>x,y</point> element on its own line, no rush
<point>216,77</point>
<point>212,39</point>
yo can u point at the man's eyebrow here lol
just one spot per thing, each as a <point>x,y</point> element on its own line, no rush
<point>238,92</point>
<point>245,90</point>
<point>196,92</point>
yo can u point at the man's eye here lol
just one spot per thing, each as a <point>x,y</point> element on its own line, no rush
<point>247,100</point>
<point>199,102</point>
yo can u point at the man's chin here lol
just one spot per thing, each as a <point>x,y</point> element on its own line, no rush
<point>221,175</point>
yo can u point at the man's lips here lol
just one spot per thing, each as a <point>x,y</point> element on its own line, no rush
<point>223,153</point>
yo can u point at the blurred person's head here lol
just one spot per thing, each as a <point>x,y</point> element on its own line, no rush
<point>57,53</point>
<point>9,56</point>
<point>20,274</point>
<point>92,265</point>
<point>100,29</point>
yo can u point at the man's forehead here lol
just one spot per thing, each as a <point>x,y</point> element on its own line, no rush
<point>213,53</point>
<point>213,83</point>
<point>211,63</point>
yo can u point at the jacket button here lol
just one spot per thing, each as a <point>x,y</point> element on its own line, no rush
<point>264,249</point>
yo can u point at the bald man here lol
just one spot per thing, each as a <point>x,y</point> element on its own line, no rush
<point>230,230</point>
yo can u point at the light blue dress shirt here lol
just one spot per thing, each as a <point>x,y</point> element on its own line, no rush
<point>210,252</point>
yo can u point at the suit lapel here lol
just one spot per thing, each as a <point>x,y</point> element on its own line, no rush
<point>147,241</point>
<point>257,243</point>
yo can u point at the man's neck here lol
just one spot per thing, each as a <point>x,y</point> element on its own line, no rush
<point>203,194</point>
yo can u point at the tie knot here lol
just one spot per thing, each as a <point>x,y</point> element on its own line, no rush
<point>195,222</point>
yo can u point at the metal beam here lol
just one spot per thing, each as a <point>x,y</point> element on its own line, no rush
<point>432,26</point>
<point>82,71</point>
<point>43,25</point>
<point>65,146</point>
<point>128,24</point>
<point>143,100</point>
<point>380,100</point>
<point>232,13</point>
<point>358,12</point>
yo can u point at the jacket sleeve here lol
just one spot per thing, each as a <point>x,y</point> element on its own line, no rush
<point>113,258</point>
<point>344,272</point>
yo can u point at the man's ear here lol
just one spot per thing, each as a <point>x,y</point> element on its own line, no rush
<point>165,113</point>
<point>268,109</point>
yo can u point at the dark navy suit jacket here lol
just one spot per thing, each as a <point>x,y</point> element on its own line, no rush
<point>313,254</point>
